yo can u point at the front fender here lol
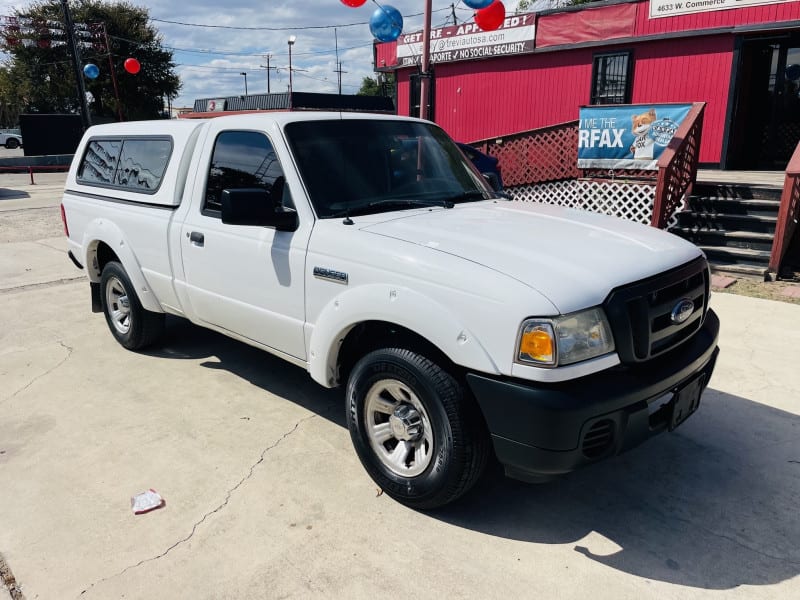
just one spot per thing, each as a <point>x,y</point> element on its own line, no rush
<point>103,230</point>
<point>399,305</point>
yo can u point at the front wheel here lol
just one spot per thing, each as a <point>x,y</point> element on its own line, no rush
<point>12,143</point>
<point>418,434</point>
<point>132,326</point>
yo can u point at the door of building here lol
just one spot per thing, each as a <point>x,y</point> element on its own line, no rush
<point>765,124</point>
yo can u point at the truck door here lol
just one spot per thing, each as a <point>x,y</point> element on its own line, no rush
<point>245,279</point>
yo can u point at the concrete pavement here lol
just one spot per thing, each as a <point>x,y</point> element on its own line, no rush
<point>266,498</point>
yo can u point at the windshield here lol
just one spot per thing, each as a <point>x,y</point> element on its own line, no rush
<point>360,166</point>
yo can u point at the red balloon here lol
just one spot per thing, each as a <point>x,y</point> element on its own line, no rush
<point>491,17</point>
<point>353,3</point>
<point>132,66</point>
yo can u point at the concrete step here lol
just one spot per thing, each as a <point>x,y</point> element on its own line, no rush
<point>738,191</point>
<point>727,222</point>
<point>757,207</point>
<point>725,256</point>
<point>717,238</point>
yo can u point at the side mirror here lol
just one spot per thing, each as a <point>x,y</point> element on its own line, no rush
<point>256,206</point>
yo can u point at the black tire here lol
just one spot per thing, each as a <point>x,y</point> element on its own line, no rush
<point>12,143</point>
<point>459,444</point>
<point>132,326</point>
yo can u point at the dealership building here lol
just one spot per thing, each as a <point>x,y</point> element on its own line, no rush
<point>740,57</point>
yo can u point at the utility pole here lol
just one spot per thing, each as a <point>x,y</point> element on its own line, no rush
<point>113,73</point>
<point>338,69</point>
<point>453,10</point>
<point>339,72</point>
<point>268,68</point>
<point>76,64</point>
<point>425,76</point>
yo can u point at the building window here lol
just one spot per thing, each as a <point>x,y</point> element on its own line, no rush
<point>611,78</point>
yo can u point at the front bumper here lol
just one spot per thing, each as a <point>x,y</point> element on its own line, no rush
<point>540,430</point>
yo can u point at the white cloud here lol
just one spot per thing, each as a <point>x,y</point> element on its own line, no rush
<point>211,59</point>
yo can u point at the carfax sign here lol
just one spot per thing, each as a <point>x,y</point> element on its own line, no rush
<point>626,137</point>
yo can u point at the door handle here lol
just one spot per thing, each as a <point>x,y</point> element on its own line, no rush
<point>196,238</point>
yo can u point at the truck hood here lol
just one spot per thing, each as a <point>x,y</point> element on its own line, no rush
<point>573,258</point>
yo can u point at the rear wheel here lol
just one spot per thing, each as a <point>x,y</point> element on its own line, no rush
<point>12,143</point>
<point>133,326</point>
<point>418,434</point>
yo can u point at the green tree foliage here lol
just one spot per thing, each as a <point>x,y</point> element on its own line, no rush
<point>369,87</point>
<point>527,5</point>
<point>383,85</point>
<point>38,77</point>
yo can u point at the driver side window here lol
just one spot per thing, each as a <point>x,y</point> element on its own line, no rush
<point>243,159</point>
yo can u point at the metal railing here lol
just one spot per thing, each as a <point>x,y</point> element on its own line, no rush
<point>788,213</point>
<point>31,169</point>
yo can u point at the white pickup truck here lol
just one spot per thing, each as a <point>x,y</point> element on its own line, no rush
<point>368,250</point>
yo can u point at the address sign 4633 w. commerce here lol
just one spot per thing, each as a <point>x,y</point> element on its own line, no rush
<point>671,8</point>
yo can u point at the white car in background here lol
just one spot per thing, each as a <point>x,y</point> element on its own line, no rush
<point>11,140</point>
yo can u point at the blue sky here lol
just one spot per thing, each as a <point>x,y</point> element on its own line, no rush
<point>211,59</point>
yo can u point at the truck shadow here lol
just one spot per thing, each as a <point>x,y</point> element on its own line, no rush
<point>713,505</point>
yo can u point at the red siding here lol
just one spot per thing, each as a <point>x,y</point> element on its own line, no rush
<point>770,13</point>
<point>591,24</point>
<point>385,55</point>
<point>695,70</point>
<point>496,97</point>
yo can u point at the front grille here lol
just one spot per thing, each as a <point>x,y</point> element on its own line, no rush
<point>640,314</point>
<point>598,439</point>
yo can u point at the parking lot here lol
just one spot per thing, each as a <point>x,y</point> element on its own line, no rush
<point>265,497</point>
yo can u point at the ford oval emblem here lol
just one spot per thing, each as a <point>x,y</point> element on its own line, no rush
<point>682,311</point>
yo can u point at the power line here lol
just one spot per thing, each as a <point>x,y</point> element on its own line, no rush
<point>225,53</point>
<point>241,28</point>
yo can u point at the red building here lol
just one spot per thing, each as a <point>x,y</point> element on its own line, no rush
<point>741,57</point>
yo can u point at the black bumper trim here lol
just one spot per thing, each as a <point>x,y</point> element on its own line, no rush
<point>537,427</point>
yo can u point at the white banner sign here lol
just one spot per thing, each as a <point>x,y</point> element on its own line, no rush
<point>467,41</point>
<point>671,8</point>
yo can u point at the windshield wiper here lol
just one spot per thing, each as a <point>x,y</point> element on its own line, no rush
<point>469,196</point>
<point>388,203</point>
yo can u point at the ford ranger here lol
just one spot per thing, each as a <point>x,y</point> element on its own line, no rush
<point>368,250</point>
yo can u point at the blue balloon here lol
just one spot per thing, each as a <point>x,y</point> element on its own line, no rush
<point>91,71</point>
<point>478,3</point>
<point>386,23</point>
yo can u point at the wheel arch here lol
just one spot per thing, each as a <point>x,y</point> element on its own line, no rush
<point>105,242</point>
<point>378,316</point>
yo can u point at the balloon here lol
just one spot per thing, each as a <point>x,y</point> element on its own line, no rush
<point>132,66</point>
<point>386,23</point>
<point>491,17</point>
<point>353,3</point>
<point>475,3</point>
<point>91,71</point>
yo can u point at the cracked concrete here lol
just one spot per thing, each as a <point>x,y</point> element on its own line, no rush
<point>211,512</point>
<point>35,379</point>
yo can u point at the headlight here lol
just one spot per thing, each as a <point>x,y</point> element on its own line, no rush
<point>565,340</point>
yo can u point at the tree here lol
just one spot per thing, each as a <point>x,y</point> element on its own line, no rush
<point>39,76</point>
<point>369,87</point>
<point>527,5</point>
<point>382,85</point>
